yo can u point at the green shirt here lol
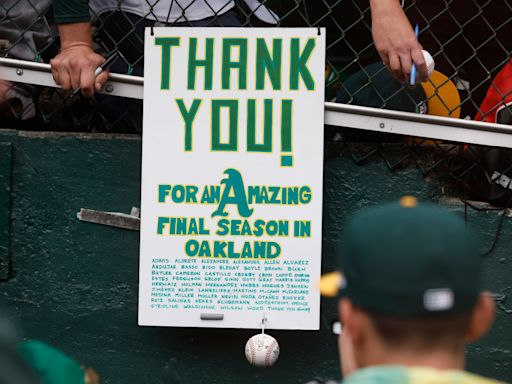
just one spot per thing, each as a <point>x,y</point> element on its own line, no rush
<point>389,374</point>
<point>51,365</point>
<point>71,11</point>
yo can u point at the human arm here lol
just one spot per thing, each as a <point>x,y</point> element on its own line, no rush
<point>395,40</point>
<point>76,62</point>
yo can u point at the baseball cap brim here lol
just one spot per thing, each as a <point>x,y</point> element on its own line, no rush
<point>331,283</point>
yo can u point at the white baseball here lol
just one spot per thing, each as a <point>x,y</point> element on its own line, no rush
<point>262,350</point>
<point>429,61</point>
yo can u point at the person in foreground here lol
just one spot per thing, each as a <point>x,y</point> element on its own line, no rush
<point>409,286</point>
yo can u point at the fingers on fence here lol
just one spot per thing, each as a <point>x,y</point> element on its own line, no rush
<point>395,66</point>
<point>83,74</point>
<point>75,68</point>
<point>55,72</point>
<point>64,78</point>
<point>101,79</point>
<point>405,62</point>
<point>421,65</point>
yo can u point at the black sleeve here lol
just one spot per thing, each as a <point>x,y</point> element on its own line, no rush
<point>71,11</point>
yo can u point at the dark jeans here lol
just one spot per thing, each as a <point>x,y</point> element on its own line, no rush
<point>124,32</point>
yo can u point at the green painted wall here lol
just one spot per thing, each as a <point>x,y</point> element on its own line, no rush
<point>74,284</point>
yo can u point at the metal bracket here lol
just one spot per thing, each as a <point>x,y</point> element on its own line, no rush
<point>113,219</point>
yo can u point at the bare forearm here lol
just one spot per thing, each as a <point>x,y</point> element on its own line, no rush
<point>75,34</point>
<point>383,4</point>
<point>395,39</point>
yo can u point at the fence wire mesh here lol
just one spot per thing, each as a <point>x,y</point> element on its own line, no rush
<point>468,39</point>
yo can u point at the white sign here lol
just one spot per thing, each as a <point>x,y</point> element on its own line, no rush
<point>232,173</point>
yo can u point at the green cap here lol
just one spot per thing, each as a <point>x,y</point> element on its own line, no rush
<point>408,259</point>
<point>51,365</point>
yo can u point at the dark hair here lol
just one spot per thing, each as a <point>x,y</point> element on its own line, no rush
<point>421,332</point>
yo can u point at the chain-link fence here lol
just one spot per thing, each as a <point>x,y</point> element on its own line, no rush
<point>468,39</point>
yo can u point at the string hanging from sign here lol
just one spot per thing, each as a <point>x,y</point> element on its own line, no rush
<point>263,324</point>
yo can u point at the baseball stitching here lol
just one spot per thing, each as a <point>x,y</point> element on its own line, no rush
<point>269,352</point>
<point>253,352</point>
